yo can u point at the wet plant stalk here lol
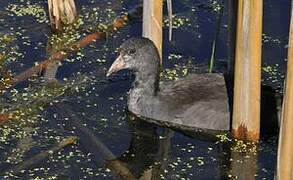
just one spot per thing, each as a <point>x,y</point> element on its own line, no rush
<point>170,14</point>
<point>214,45</point>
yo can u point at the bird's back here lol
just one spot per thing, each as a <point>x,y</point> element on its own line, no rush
<point>196,101</point>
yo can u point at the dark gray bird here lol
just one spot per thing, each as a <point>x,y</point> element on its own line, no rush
<point>198,101</point>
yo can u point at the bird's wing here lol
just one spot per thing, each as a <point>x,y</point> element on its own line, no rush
<point>194,88</point>
<point>199,100</point>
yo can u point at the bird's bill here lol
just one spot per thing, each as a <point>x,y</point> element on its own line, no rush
<point>116,66</point>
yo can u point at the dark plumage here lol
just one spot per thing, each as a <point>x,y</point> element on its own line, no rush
<point>196,101</point>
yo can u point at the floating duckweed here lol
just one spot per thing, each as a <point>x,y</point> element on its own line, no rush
<point>5,79</point>
<point>69,35</point>
<point>177,22</point>
<point>273,76</point>
<point>200,161</point>
<point>175,73</point>
<point>268,39</point>
<point>27,105</point>
<point>8,54</point>
<point>174,57</point>
<point>36,11</point>
<point>7,48</point>
<point>271,70</point>
<point>238,145</point>
<point>244,147</point>
<point>101,17</point>
<point>216,6</point>
<point>223,138</point>
<point>79,22</point>
<point>6,39</point>
<point>100,61</point>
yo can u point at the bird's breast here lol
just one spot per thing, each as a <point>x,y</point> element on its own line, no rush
<point>134,103</point>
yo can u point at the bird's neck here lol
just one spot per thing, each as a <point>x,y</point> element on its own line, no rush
<point>147,82</point>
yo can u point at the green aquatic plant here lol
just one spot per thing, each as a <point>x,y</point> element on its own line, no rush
<point>6,39</point>
<point>98,18</point>
<point>90,20</point>
<point>25,110</point>
<point>34,10</point>
<point>67,36</point>
<point>215,5</point>
<point>180,69</point>
<point>35,100</point>
<point>223,138</point>
<point>5,79</point>
<point>269,39</point>
<point>244,147</point>
<point>8,52</point>
<point>273,76</point>
<point>271,70</point>
<point>9,49</point>
<point>177,21</point>
<point>237,145</point>
<point>219,9</point>
<point>26,106</point>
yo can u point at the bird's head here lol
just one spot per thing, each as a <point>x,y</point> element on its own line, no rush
<point>136,54</point>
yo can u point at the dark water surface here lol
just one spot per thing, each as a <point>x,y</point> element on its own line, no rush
<point>112,142</point>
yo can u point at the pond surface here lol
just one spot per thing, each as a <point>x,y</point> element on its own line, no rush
<point>82,103</point>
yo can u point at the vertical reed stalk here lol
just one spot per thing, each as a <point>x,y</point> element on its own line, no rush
<point>152,22</point>
<point>246,107</point>
<point>214,45</point>
<point>285,150</point>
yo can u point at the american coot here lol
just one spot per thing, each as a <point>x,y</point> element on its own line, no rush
<point>198,101</point>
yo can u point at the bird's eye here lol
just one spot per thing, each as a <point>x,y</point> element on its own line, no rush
<point>131,51</point>
<point>118,50</point>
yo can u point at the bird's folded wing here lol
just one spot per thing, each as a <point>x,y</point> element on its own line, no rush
<point>199,101</point>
